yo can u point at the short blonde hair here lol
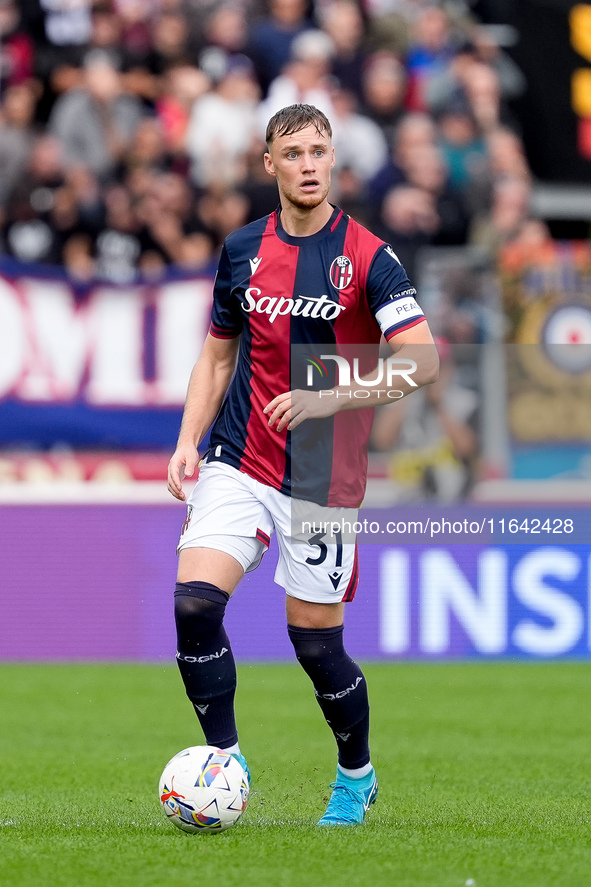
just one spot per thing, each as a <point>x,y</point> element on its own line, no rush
<point>293,118</point>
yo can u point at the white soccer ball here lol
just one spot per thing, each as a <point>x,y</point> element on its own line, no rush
<point>203,789</point>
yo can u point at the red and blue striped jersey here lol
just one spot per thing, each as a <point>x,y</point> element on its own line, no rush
<point>341,285</point>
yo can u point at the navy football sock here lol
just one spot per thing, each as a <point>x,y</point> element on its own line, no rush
<point>205,659</point>
<point>340,689</point>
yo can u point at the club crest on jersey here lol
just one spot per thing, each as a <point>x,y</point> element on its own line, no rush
<point>341,272</point>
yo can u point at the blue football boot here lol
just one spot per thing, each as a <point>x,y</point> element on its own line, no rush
<point>350,799</point>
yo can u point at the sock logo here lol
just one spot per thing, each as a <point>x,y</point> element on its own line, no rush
<point>341,693</point>
<point>343,736</point>
<point>199,660</point>
<point>201,708</point>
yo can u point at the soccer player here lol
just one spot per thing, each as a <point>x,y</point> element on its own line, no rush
<point>307,273</point>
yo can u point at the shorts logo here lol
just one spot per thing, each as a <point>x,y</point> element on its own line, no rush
<point>187,519</point>
<point>335,578</point>
<point>341,272</point>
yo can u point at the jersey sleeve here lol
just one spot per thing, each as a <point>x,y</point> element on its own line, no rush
<point>390,294</point>
<point>226,317</point>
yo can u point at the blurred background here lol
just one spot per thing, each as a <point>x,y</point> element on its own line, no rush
<point>131,142</point>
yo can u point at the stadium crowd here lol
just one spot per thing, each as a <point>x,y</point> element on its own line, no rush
<point>131,131</point>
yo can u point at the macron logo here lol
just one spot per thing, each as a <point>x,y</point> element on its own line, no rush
<point>391,253</point>
<point>254,264</point>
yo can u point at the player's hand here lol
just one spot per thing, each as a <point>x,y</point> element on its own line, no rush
<point>292,408</point>
<point>183,463</point>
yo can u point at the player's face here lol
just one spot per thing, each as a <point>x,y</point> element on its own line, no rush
<point>301,163</point>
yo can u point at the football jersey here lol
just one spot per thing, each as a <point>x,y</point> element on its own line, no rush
<point>341,285</point>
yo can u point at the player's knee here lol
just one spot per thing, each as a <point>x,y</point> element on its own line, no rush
<point>199,607</point>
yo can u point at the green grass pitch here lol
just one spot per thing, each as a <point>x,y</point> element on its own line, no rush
<point>484,774</point>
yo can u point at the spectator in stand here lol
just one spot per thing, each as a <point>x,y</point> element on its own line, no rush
<point>17,134</point>
<point>180,239</point>
<point>78,258</point>
<point>506,155</point>
<point>431,51</point>
<point>95,124</point>
<point>226,30</point>
<point>531,244</point>
<point>483,93</point>
<point>171,41</point>
<point>447,87</point>
<point>198,254</point>
<point>271,37</point>
<point>87,191</point>
<point>181,86</point>
<point>384,91</point>
<point>415,131</point>
<point>463,149</point>
<point>147,150</point>
<point>408,221</point>
<point>135,16</point>
<point>343,22</point>
<point>227,27</point>
<point>510,209</point>
<point>305,78</point>
<point>348,192</point>
<point>466,155</point>
<point>463,311</point>
<point>123,240</point>
<point>16,48</point>
<point>359,143</point>
<point>511,79</point>
<point>65,221</point>
<point>426,169</point>
<point>62,31</point>
<point>108,35</point>
<point>432,440</point>
<point>258,187</point>
<point>223,210</point>
<point>222,125</point>
<point>389,28</point>
<point>176,197</point>
<point>28,234</point>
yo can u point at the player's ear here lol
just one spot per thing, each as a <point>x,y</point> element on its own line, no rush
<point>269,167</point>
<point>332,160</point>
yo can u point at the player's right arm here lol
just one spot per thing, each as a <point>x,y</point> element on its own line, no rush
<point>208,384</point>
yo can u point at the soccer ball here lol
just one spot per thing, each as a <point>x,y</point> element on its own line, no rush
<point>203,789</point>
